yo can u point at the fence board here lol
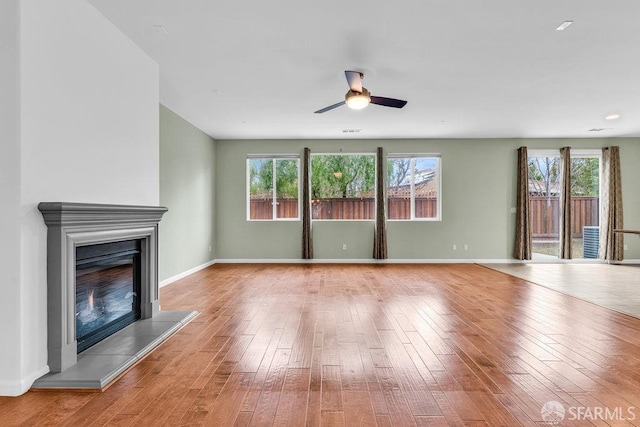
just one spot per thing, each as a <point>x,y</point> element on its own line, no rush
<point>545,215</point>
<point>263,208</point>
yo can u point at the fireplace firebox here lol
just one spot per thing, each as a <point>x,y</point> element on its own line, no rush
<point>107,290</point>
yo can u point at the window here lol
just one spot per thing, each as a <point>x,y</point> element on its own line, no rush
<point>343,186</point>
<point>413,187</point>
<point>262,192</point>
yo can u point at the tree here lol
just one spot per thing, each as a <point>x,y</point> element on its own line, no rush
<point>544,173</point>
<point>287,179</point>
<point>334,176</point>
<point>585,179</point>
<point>261,178</point>
<point>397,171</point>
<point>544,176</point>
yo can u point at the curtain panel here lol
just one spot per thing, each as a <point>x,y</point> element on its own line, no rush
<point>522,247</point>
<point>380,236</point>
<point>611,245</point>
<point>307,233</point>
<point>565,203</point>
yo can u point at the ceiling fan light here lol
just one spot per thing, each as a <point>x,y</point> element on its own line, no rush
<point>357,100</point>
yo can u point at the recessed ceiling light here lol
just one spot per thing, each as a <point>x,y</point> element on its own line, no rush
<point>612,117</point>
<point>160,29</point>
<point>564,25</point>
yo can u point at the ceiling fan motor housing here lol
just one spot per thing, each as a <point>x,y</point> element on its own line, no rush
<point>352,93</point>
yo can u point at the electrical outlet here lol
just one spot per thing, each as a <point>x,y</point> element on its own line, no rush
<point>209,248</point>
<point>466,247</point>
<point>626,247</point>
<point>344,246</point>
<point>455,248</point>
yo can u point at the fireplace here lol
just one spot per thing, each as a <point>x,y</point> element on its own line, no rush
<point>101,273</point>
<point>107,289</point>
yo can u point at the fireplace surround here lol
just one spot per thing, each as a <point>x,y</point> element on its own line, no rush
<point>74,225</point>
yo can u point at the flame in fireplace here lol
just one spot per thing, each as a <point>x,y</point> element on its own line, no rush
<point>90,300</point>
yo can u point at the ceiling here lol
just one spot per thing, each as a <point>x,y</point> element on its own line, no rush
<point>468,69</point>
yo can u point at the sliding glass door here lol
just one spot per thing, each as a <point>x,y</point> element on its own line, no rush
<point>585,203</point>
<point>544,195</point>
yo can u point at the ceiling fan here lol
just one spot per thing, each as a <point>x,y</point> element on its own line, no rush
<point>359,97</point>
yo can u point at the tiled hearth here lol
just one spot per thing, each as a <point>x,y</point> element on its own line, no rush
<point>106,361</point>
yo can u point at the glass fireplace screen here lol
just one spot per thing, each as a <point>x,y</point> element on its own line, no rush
<point>107,290</point>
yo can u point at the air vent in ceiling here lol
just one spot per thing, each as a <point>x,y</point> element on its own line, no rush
<point>351,130</point>
<point>564,25</point>
<point>161,29</point>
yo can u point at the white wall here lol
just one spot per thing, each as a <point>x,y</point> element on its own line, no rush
<point>9,192</point>
<point>89,133</point>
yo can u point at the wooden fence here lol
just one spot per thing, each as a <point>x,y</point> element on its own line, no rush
<point>426,207</point>
<point>544,211</point>
<point>545,215</point>
<point>345,208</point>
<point>263,208</point>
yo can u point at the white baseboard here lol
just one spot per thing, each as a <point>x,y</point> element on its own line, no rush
<point>184,274</point>
<point>626,262</point>
<point>21,386</point>
<point>580,261</point>
<point>365,261</point>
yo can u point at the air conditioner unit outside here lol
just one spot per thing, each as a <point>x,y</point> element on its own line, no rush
<point>590,241</point>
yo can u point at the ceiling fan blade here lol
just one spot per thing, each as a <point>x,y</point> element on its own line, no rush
<point>354,78</point>
<point>330,107</point>
<point>388,102</point>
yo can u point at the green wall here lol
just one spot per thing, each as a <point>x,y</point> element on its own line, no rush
<point>478,191</point>
<point>187,188</point>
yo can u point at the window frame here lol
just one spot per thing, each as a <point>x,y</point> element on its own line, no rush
<point>412,157</point>
<point>274,158</point>
<point>375,200</point>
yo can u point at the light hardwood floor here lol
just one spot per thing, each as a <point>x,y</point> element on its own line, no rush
<point>401,345</point>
